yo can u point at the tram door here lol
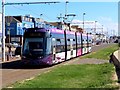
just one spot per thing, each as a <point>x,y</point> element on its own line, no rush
<point>71,47</point>
<point>54,49</point>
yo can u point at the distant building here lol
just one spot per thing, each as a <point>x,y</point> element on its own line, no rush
<point>66,26</point>
<point>76,28</point>
<point>15,27</point>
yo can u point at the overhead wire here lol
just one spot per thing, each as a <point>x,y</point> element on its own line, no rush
<point>33,11</point>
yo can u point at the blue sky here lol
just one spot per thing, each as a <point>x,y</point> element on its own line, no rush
<point>106,13</point>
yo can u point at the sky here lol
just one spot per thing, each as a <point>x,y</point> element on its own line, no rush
<point>105,12</point>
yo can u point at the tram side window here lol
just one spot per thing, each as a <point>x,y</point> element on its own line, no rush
<point>74,44</point>
<point>84,42</point>
<point>60,45</point>
<point>63,45</point>
<point>48,49</point>
<point>78,44</point>
<point>68,44</point>
<point>26,47</point>
<point>90,42</point>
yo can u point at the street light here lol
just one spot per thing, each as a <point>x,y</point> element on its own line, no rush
<point>83,20</point>
<point>41,15</point>
<point>3,31</point>
<point>65,17</point>
<point>102,29</point>
<point>66,7</point>
<point>95,27</point>
<point>102,34</point>
<point>95,32</point>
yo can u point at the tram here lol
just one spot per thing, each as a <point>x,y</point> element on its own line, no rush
<point>43,46</point>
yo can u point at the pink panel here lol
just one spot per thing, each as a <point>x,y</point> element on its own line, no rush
<point>79,52</point>
<point>57,30</point>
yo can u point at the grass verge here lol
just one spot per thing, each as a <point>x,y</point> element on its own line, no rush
<point>73,76</point>
<point>76,76</point>
<point>103,53</point>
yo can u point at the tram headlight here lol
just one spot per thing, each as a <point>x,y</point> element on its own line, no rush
<point>39,57</point>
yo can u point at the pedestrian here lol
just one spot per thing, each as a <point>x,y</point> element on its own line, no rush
<point>10,51</point>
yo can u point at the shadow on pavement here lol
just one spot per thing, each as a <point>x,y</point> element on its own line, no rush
<point>18,64</point>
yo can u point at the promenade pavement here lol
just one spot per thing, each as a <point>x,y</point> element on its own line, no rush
<point>6,53</point>
<point>117,54</point>
<point>115,59</point>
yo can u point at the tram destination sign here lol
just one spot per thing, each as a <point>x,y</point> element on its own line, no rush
<point>35,34</point>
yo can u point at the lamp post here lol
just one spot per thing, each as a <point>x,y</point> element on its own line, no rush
<point>95,32</point>
<point>95,26</point>
<point>66,8</point>
<point>65,17</point>
<point>102,34</point>
<point>83,20</point>
<point>3,31</point>
<point>41,16</point>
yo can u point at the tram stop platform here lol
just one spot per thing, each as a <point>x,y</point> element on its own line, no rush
<point>115,59</point>
<point>10,59</point>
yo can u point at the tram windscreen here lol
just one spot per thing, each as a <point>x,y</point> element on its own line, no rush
<point>33,47</point>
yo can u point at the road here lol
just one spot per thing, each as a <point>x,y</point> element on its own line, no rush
<point>98,47</point>
<point>15,71</point>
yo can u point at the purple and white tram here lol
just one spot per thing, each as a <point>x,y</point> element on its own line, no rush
<point>50,46</point>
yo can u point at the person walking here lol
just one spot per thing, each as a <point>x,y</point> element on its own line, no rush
<point>10,51</point>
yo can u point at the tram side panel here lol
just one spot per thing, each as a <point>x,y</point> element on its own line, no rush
<point>86,45</point>
<point>78,43</point>
<point>84,41</point>
<point>71,44</point>
<point>60,50</point>
<point>89,43</point>
<point>58,47</point>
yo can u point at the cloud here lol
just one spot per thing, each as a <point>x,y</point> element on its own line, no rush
<point>104,24</point>
<point>109,25</point>
<point>89,26</point>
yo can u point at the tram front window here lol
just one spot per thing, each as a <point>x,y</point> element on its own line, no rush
<point>33,47</point>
